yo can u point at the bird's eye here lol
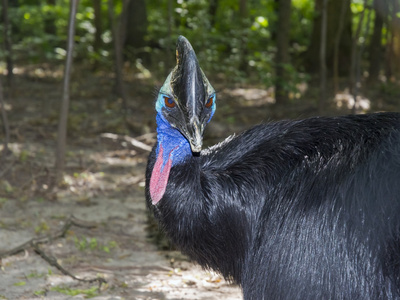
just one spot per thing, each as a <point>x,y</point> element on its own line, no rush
<point>169,102</point>
<point>210,102</point>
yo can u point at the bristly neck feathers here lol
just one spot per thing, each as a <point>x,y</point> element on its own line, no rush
<point>172,148</point>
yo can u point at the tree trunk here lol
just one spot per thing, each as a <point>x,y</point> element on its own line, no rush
<point>98,25</point>
<point>395,61</point>
<point>118,61</point>
<point>375,48</point>
<point>282,48</point>
<point>338,37</point>
<point>212,11</point>
<point>359,56</point>
<point>6,127</point>
<point>322,57</point>
<point>62,125</point>
<point>50,19</point>
<point>136,26</point>
<point>243,36</point>
<point>7,43</point>
<point>389,42</point>
<point>334,11</point>
<point>354,58</point>
<point>243,9</point>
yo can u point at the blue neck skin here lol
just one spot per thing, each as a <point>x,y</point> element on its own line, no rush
<point>172,141</point>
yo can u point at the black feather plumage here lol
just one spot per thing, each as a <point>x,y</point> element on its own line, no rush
<point>304,209</point>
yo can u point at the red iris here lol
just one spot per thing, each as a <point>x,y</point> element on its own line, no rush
<point>209,102</point>
<point>169,102</point>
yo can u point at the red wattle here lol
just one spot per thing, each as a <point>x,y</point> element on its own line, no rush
<point>159,177</point>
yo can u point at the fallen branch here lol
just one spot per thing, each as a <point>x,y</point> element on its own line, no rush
<point>134,142</point>
<point>35,242</point>
<point>53,262</point>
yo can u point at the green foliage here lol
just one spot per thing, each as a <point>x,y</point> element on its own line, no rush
<point>242,48</point>
<point>92,244</point>
<point>42,228</point>
<point>21,283</point>
<point>35,274</point>
<point>89,293</point>
<point>40,293</point>
<point>32,43</point>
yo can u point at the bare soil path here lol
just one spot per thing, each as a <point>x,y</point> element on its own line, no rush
<point>104,185</point>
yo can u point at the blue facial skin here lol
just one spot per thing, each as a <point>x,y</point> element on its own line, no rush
<point>213,108</point>
<point>170,138</point>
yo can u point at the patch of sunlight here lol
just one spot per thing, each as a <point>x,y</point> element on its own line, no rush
<point>252,96</point>
<point>143,72</point>
<point>40,72</point>
<point>122,158</point>
<point>259,22</point>
<point>7,107</point>
<point>192,283</point>
<point>14,147</point>
<point>346,100</point>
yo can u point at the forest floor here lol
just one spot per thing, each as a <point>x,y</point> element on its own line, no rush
<point>103,186</point>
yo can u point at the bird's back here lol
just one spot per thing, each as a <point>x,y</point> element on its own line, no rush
<point>305,209</point>
<point>329,224</point>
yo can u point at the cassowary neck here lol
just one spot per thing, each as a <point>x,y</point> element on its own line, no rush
<point>172,141</point>
<point>172,148</point>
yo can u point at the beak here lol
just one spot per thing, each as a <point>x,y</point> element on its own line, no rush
<point>196,138</point>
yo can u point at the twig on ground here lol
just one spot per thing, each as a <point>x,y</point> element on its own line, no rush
<point>53,262</point>
<point>134,142</point>
<point>35,242</point>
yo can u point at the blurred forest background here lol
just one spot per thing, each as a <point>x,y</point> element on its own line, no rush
<point>271,43</point>
<point>276,58</point>
<point>268,59</point>
<point>93,80</point>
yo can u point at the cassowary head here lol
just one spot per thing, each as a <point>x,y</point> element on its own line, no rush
<point>187,100</point>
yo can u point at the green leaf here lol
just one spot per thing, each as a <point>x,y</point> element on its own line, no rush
<point>262,21</point>
<point>92,292</point>
<point>21,283</point>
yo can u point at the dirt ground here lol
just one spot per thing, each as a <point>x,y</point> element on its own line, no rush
<point>103,185</point>
<point>118,249</point>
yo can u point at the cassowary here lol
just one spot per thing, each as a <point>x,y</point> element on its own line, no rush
<point>306,209</point>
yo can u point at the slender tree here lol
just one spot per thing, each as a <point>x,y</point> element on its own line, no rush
<point>118,60</point>
<point>389,40</point>
<point>338,38</point>
<point>50,19</point>
<point>334,8</point>
<point>322,57</point>
<point>212,11</point>
<point>136,26</point>
<point>375,47</point>
<point>7,43</point>
<point>98,25</point>
<point>354,57</point>
<point>394,60</point>
<point>5,121</point>
<point>282,50</point>
<point>243,21</point>
<point>62,124</point>
<point>358,58</point>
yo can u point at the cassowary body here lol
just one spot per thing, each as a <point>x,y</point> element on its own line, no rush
<point>305,209</point>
